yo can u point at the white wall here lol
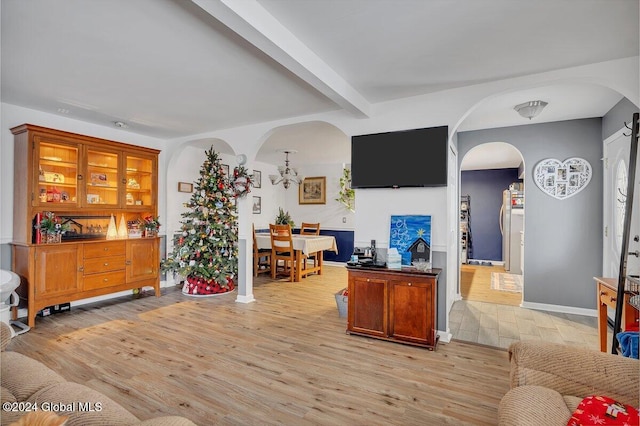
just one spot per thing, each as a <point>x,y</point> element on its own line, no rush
<point>186,168</point>
<point>375,207</point>
<point>332,215</point>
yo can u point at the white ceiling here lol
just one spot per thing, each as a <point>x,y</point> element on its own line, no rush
<point>175,68</point>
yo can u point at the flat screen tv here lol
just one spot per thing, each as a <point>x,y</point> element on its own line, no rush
<point>410,158</point>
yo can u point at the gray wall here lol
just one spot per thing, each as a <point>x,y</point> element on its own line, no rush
<point>563,238</point>
<point>439,260</point>
<point>616,117</point>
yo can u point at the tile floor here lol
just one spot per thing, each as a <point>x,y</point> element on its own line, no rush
<point>500,325</point>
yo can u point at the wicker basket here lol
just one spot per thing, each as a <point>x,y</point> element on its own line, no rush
<point>342,301</point>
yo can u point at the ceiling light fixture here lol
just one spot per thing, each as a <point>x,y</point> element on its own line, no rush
<point>530,109</point>
<point>288,175</point>
<point>120,124</point>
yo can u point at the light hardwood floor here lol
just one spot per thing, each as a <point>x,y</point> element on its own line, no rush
<point>284,359</point>
<point>475,284</point>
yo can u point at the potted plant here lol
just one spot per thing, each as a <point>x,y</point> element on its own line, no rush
<point>151,225</point>
<point>51,228</point>
<point>284,218</point>
<point>347,195</point>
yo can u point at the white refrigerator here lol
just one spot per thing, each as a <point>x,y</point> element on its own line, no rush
<point>512,227</point>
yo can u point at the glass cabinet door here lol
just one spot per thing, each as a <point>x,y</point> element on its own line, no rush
<point>140,181</point>
<point>101,179</point>
<point>57,174</point>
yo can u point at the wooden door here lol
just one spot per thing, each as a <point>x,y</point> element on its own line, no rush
<point>143,259</point>
<point>411,311</point>
<point>367,308</point>
<point>57,270</point>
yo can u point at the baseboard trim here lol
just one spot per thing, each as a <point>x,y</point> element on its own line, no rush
<point>245,299</point>
<point>560,308</point>
<point>493,262</point>
<point>445,336</point>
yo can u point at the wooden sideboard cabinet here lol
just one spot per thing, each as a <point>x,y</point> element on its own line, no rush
<point>607,297</point>
<point>394,305</point>
<point>85,181</point>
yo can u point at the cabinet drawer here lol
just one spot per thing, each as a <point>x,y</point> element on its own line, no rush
<point>104,264</point>
<point>608,296</point>
<point>113,248</point>
<point>109,279</point>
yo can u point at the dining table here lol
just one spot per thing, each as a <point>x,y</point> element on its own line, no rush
<point>303,245</point>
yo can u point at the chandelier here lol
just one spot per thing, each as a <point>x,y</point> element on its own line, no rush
<point>530,109</point>
<point>288,175</point>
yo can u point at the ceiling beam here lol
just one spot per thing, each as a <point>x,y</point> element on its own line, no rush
<point>252,22</point>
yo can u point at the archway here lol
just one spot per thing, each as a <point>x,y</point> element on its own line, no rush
<point>321,150</point>
<point>492,224</point>
<point>183,171</point>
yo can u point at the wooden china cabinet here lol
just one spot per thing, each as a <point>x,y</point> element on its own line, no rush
<point>84,181</point>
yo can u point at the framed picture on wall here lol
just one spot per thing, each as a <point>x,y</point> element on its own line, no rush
<point>225,169</point>
<point>257,205</point>
<point>257,179</point>
<point>313,190</point>
<point>185,187</point>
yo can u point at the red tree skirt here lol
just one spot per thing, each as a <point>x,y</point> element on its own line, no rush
<point>194,286</point>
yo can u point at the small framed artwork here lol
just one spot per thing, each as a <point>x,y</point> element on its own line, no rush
<point>257,179</point>
<point>225,169</point>
<point>313,190</point>
<point>257,205</point>
<point>185,187</point>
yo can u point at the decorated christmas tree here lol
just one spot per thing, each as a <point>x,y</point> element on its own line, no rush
<point>206,251</point>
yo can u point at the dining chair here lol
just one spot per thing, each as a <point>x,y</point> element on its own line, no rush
<point>311,229</point>
<point>261,257</point>
<point>282,249</point>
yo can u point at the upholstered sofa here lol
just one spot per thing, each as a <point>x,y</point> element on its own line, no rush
<point>24,379</point>
<point>549,380</point>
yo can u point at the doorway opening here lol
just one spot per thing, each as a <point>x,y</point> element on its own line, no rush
<point>492,207</point>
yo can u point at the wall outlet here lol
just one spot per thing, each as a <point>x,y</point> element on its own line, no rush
<point>344,219</point>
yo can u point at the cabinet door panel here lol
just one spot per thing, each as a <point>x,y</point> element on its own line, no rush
<point>56,270</point>
<point>56,174</point>
<point>143,260</point>
<point>369,311</point>
<point>102,179</point>
<point>141,181</point>
<point>411,312</point>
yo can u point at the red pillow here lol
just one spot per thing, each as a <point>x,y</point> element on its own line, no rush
<point>601,410</point>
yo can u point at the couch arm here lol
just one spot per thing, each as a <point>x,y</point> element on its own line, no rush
<point>575,371</point>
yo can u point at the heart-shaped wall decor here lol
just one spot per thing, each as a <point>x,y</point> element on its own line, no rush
<point>562,179</point>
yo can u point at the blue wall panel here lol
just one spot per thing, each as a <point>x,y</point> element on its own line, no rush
<point>344,241</point>
<point>485,188</point>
